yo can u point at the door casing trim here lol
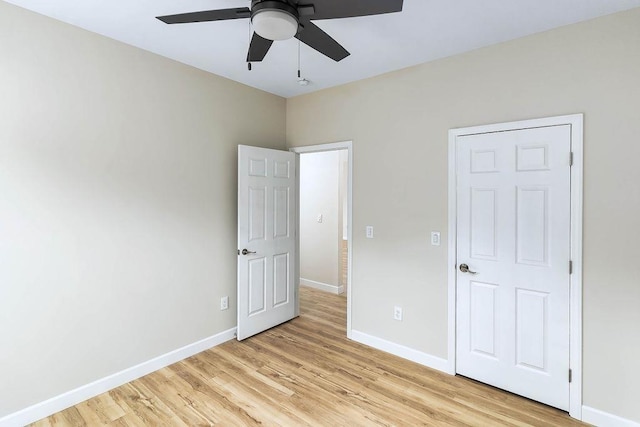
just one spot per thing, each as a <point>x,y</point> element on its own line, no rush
<point>575,295</point>
<point>344,145</point>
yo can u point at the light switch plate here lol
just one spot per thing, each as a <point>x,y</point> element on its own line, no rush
<point>435,238</point>
<point>369,231</point>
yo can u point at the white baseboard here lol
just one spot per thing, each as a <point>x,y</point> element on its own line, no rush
<point>82,393</point>
<point>334,289</point>
<point>604,419</point>
<point>401,351</point>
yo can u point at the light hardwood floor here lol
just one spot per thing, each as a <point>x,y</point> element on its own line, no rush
<point>305,372</point>
<point>344,263</point>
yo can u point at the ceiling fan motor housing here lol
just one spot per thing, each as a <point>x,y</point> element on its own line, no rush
<point>274,20</point>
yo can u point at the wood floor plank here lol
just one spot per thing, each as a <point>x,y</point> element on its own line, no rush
<point>305,373</point>
<point>103,407</point>
<point>175,396</point>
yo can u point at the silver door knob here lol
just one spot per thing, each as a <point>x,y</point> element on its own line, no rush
<point>247,252</point>
<point>465,269</point>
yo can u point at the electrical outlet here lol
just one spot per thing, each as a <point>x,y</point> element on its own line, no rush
<point>369,231</point>
<point>397,313</point>
<point>224,303</point>
<point>320,219</point>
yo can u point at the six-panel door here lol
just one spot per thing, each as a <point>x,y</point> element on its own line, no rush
<point>266,229</point>
<point>513,228</point>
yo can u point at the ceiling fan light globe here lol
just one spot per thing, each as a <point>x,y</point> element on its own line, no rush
<point>274,25</point>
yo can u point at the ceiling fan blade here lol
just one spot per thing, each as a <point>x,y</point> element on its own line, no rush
<point>331,9</point>
<point>258,48</point>
<point>207,16</point>
<point>314,37</point>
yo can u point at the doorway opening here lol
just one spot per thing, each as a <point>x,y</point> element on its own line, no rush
<point>324,220</point>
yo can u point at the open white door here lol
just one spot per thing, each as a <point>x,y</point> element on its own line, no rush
<point>266,239</point>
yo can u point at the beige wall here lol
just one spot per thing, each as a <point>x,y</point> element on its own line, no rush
<point>399,123</point>
<point>319,195</point>
<point>117,206</point>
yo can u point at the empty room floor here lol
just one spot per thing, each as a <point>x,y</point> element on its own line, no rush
<point>305,372</point>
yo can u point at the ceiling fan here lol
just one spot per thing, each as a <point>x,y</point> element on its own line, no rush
<point>284,19</point>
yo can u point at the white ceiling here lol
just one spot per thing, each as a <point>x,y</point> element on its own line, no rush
<point>425,30</point>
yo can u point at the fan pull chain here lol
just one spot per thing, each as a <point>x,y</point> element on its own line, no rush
<point>250,38</point>
<point>301,80</point>
<point>299,73</point>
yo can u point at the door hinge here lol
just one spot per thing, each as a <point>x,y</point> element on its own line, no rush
<point>570,267</point>
<point>571,158</point>
<point>570,375</point>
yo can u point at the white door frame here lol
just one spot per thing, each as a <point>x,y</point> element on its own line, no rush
<point>344,145</point>
<point>575,298</point>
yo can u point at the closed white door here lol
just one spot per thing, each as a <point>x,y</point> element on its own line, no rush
<point>266,239</point>
<point>513,248</point>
